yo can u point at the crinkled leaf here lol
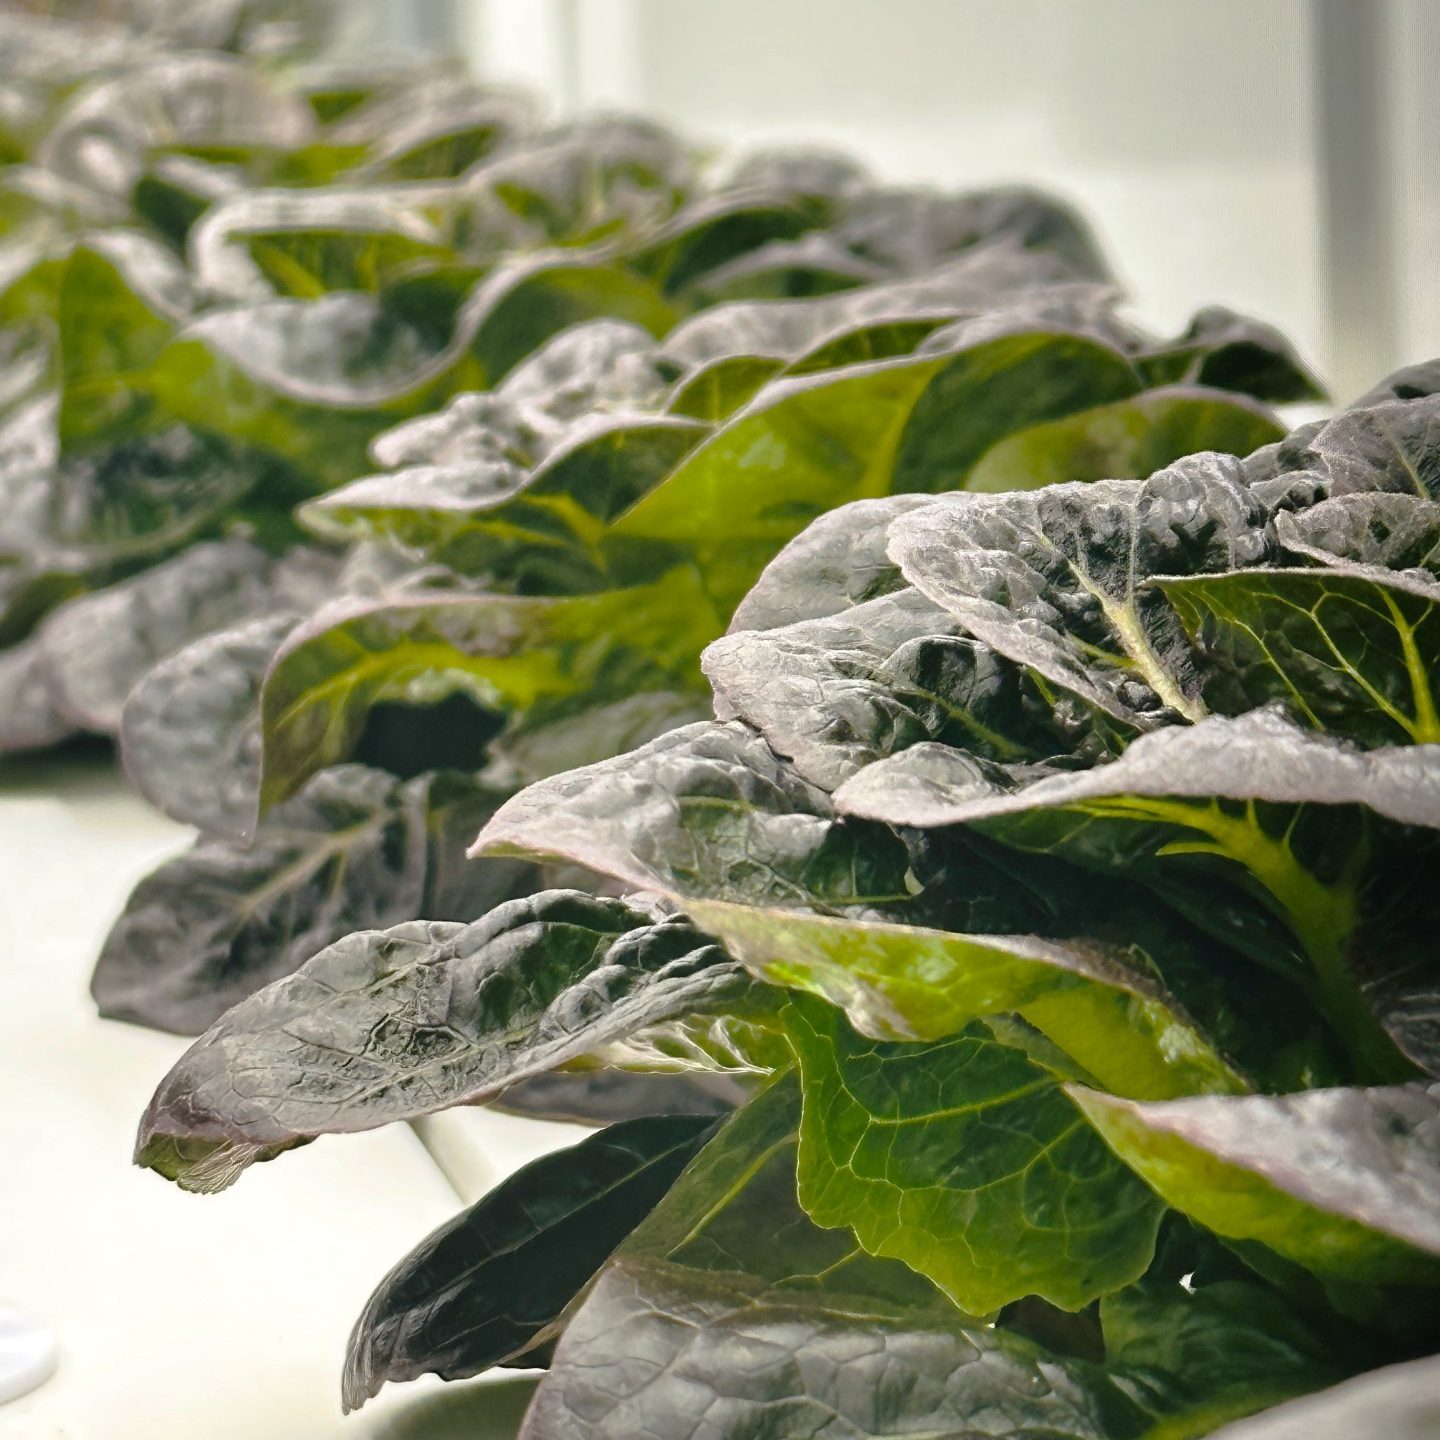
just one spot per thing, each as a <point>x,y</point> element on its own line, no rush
<point>705,810</point>
<point>967,1161</point>
<point>1393,446</point>
<point>837,693</point>
<point>660,1350</point>
<point>355,850</point>
<point>1342,1181</point>
<point>1388,441</point>
<point>392,1024</point>
<point>1378,529</point>
<point>490,1286</point>
<point>710,812</point>
<point>1054,579</point>
<point>1260,757</point>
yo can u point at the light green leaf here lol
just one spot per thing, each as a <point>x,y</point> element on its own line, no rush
<point>1342,1181</point>
<point>964,1159</point>
<point>508,653</point>
<point>904,982</point>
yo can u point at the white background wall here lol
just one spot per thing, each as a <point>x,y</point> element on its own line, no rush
<point>1189,130</point>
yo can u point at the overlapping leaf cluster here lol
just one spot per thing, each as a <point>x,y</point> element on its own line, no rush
<point>1051,885</point>
<point>370,448</point>
<point>1058,868</point>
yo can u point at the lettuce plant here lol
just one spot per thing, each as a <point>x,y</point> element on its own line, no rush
<point>1015,1007</point>
<point>1055,880</point>
<point>277,336</point>
<point>373,449</point>
<point>556,550</point>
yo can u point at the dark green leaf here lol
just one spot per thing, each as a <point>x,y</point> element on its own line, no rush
<point>1212,1351</point>
<point>1379,529</point>
<point>837,693</point>
<point>531,752</point>
<point>836,562</point>
<point>602,1097</point>
<point>1260,757</point>
<point>707,233</point>
<point>1232,352</point>
<point>730,1312</point>
<point>355,850</point>
<point>705,810</point>
<point>1132,437</point>
<point>490,1286</point>
<point>814,264</point>
<point>141,496</point>
<point>1346,649</point>
<point>96,648</point>
<point>28,717</point>
<point>912,229</point>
